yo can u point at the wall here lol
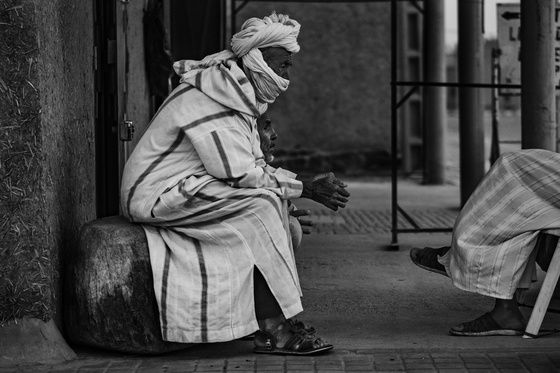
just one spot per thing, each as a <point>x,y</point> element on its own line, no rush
<point>65,72</point>
<point>47,153</point>
<point>339,94</point>
<point>139,107</point>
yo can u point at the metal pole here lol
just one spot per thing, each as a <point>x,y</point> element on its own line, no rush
<point>394,213</point>
<point>538,111</point>
<point>557,132</point>
<point>495,145</point>
<point>471,124</point>
<point>434,97</point>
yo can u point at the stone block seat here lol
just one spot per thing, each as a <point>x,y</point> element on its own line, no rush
<point>109,297</point>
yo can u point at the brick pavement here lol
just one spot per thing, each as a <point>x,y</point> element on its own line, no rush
<point>362,221</point>
<point>337,361</point>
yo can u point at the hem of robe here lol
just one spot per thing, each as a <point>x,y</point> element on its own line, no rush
<point>211,336</point>
<point>223,335</point>
<point>522,284</point>
<point>293,310</point>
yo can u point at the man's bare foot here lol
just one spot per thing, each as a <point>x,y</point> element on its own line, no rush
<point>507,314</point>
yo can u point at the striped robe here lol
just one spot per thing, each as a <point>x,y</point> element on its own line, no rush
<point>495,236</point>
<point>211,209</point>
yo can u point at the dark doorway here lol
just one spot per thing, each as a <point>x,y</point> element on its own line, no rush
<point>106,101</point>
<point>196,28</point>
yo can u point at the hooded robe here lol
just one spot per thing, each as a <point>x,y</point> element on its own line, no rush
<point>211,209</point>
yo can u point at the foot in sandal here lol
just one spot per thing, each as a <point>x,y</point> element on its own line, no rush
<point>289,338</point>
<point>504,319</point>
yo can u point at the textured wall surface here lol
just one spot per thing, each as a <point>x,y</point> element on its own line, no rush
<point>47,153</point>
<point>66,89</point>
<point>339,95</point>
<point>25,255</point>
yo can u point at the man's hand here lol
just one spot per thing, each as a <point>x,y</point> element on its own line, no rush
<point>327,190</point>
<point>304,223</point>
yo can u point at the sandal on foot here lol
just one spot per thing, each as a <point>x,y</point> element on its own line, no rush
<point>483,326</point>
<point>296,323</point>
<point>301,325</point>
<point>300,343</point>
<point>427,258</point>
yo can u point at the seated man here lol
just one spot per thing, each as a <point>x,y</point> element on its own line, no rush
<point>498,237</point>
<point>268,136</point>
<point>215,217</point>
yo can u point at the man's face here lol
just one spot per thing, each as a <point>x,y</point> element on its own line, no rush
<point>279,60</point>
<point>267,136</point>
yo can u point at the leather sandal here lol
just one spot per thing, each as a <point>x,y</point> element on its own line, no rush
<point>296,323</point>
<point>483,326</point>
<point>299,343</point>
<point>301,325</point>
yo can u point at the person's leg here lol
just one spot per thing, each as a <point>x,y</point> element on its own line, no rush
<point>507,314</point>
<point>268,311</point>
<point>504,318</point>
<point>273,324</point>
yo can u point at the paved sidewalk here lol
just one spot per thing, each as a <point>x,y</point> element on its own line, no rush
<point>380,311</point>
<point>340,361</point>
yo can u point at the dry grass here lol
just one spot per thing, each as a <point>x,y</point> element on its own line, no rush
<point>25,268</point>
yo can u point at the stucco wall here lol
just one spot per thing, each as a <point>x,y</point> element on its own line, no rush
<point>48,164</point>
<point>24,288</point>
<point>66,89</point>
<point>339,94</point>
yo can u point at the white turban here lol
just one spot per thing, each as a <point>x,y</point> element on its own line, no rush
<point>277,30</point>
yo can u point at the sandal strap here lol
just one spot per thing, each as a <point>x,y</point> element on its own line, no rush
<point>266,339</point>
<point>483,323</point>
<point>300,341</point>
<point>301,325</point>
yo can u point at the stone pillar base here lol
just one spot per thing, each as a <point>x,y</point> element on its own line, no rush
<point>32,341</point>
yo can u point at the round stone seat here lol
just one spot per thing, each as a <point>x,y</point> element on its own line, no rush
<point>109,297</point>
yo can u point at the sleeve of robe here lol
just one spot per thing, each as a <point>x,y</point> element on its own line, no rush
<point>227,152</point>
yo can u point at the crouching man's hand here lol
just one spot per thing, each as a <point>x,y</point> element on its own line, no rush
<point>304,223</point>
<point>327,190</point>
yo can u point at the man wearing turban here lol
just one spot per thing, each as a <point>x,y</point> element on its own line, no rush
<point>215,216</point>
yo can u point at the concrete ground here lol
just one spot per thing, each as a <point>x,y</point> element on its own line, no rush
<point>379,310</point>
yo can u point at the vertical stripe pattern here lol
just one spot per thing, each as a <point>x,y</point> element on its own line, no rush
<point>211,211</point>
<point>163,302</point>
<point>499,225</point>
<point>203,293</point>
